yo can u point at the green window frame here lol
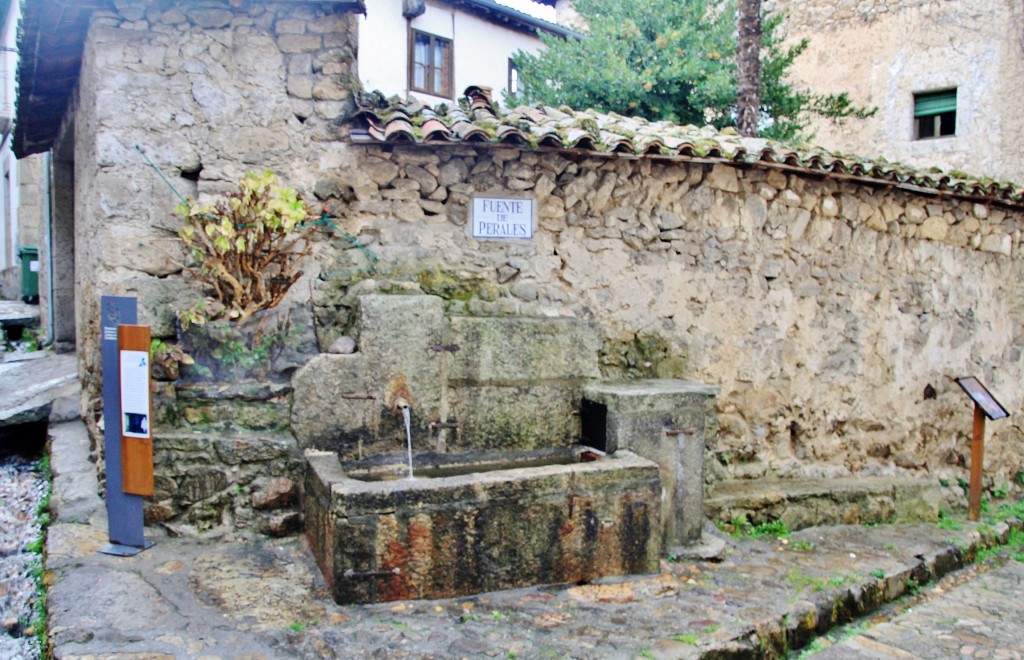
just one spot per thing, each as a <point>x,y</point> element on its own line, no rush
<point>935,114</point>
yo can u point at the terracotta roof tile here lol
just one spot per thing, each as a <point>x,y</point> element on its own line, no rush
<point>477,120</point>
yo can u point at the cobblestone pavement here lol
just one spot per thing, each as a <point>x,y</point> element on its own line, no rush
<point>266,599</point>
<point>981,617</point>
<point>228,598</point>
<point>251,599</point>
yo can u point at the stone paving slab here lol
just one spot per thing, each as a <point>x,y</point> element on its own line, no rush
<point>808,502</point>
<point>29,387</point>
<point>983,618</point>
<point>266,599</point>
<point>77,497</point>
<point>17,313</point>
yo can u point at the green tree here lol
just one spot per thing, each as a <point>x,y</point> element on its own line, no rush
<point>671,59</point>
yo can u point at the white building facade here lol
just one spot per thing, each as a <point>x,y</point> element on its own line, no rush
<point>433,50</point>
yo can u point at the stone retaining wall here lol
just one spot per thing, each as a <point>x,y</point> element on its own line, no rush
<point>832,314</point>
<point>226,481</point>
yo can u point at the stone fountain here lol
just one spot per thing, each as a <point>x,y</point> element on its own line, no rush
<point>527,468</point>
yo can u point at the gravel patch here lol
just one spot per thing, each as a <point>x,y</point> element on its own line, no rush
<point>22,488</point>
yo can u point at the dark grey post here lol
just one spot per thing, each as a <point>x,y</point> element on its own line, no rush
<point>124,512</point>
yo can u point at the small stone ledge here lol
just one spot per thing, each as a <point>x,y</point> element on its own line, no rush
<point>810,502</point>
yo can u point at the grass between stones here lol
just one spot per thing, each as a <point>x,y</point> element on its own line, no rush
<point>37,626</point>
<point>741,528</point>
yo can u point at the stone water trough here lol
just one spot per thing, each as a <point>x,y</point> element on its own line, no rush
<point>437,537</point>
<point>503,494</point>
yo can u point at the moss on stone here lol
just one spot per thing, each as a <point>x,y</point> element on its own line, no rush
<point>233,414</point>
<point>453,288</point>
<point>645,355</point>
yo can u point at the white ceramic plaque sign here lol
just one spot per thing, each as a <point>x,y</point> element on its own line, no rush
<point>502,217</point>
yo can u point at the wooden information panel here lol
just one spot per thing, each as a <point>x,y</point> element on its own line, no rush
<point>136,410</point>
<point>982,397</point>
<point>985,405</point>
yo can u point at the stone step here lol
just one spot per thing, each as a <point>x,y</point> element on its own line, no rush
<point>803,503</point>
<point>31,385</point>
<point>18,314</point>
<point>221,408</point>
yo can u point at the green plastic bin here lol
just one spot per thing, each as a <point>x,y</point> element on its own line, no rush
<point>29,274</point>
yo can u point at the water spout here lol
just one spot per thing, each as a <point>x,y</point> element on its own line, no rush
<point>408,435</point>
<point>400,406</point>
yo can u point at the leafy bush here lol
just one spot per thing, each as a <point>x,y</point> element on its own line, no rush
<point>247,248</point>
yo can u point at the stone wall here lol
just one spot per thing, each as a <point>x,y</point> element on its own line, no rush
<point>31,175</point>
<point>831,314</point>
<point>207,91</point>
<point>882,52</point>
<point>471,383</point>
<point>29,198</point>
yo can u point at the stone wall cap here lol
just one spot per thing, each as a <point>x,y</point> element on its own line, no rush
<point>477,121</point>
<point>648,387</point>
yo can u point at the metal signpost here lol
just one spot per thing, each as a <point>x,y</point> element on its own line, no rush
<point>985,405</point>
<point>126,433</point>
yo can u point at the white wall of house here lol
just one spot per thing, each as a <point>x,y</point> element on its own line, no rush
<point>481,48</point>
<point>11,238</point>
<point>8,237</point>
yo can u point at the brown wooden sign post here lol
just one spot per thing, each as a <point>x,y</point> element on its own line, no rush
<point>985,405</point>
<point>136,410</point>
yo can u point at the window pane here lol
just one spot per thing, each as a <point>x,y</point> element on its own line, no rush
<point>947,123</point>
<point>438,54</point>
<point>420,61</point>
<point>925,127</point>
<point>440,67</point>
<point>421,46</point>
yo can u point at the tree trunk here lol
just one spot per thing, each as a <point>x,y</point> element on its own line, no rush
<point>748,97</point>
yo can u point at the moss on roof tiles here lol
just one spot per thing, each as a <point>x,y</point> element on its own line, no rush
<point>476,119</point>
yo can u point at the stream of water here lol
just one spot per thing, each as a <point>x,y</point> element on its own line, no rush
<point>407,416</point>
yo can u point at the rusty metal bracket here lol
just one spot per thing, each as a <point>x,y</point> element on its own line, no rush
<point>689,431</point>
<point>436,426</point>
<point>445,348</point>
<point>351,574</point>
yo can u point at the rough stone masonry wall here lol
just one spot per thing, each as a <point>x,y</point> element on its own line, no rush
<point>209,90</point>
<point>831,314</point>
<point>889,50</point>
